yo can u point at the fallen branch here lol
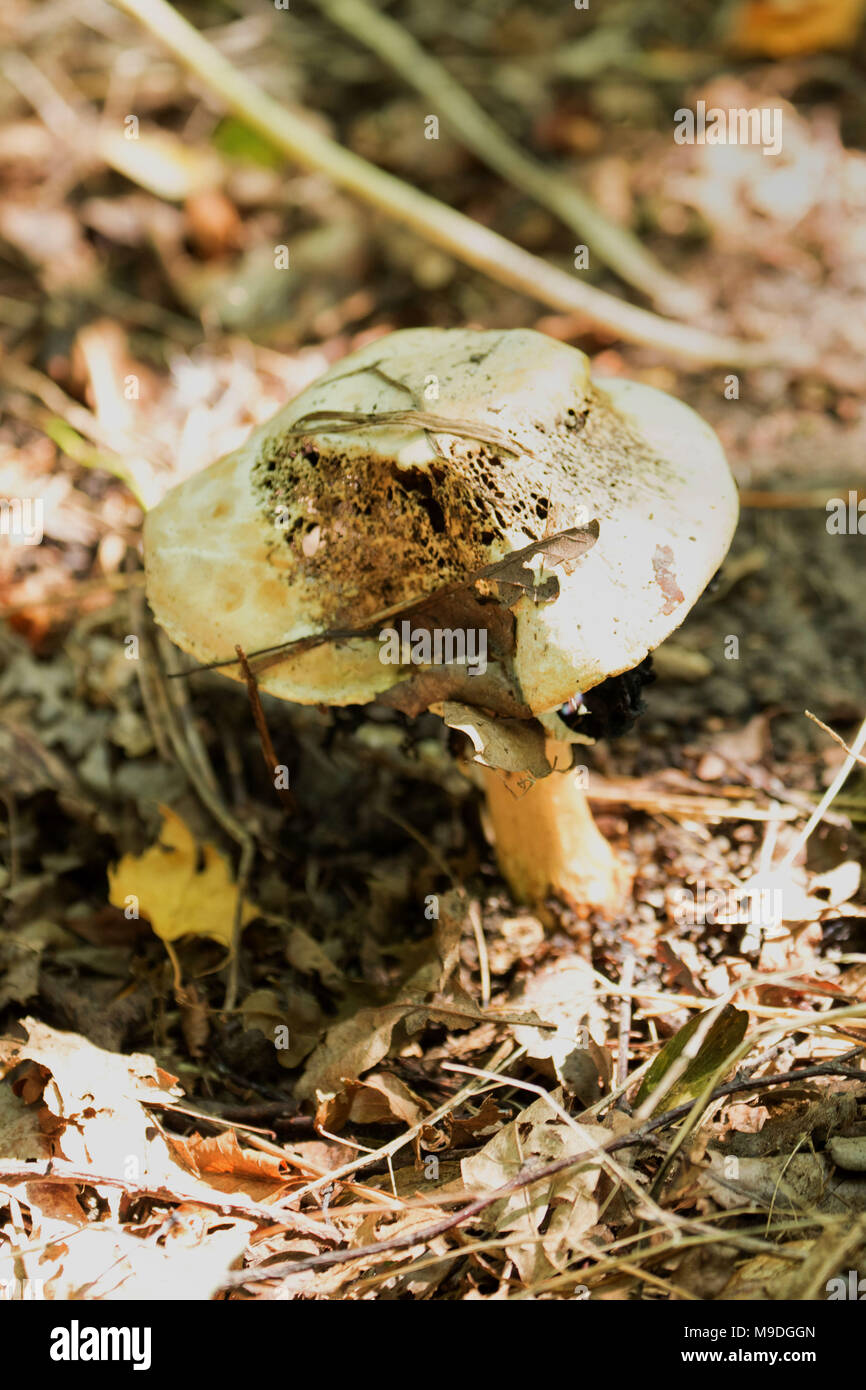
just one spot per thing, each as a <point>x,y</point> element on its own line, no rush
<point>612,244</point>
<point>446,228</point>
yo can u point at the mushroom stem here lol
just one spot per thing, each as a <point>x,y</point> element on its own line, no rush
<point>547,843</point>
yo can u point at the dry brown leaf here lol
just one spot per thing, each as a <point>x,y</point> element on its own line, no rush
<point>93,1100</point>
<point>380,1099</point>
<point>307,956</point>
<point>357,1044</point>
<point>457,1131</point>
<point>221,1153</point>
<point>800,1182</point>
<point>765,1277</point>
<point>564,994</point>
<point>21,1136</point>
<point>294,1028</point>
<point>351,1047</point>
<point>92,1108</point>
<point>102,1261</point>
<point>20,956</point>
<point>513,745</point>
<point>545,1220</point>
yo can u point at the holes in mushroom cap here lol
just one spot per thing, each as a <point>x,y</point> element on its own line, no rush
<point>435,513</point>
<point>418,482</point>
<point>575,419</point>
<point>386,528</point>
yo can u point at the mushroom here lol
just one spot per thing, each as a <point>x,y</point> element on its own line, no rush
<point>440,483</point>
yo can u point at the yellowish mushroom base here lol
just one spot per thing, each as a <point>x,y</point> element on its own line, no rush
<point>547,844</point>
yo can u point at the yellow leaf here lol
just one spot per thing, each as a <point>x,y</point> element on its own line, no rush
<point>178,897</point>
<point>787,28</point>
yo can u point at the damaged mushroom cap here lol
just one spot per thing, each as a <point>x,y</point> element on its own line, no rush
<point>325,519</point>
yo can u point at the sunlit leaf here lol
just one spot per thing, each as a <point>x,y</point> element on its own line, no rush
<point>721,1039</point>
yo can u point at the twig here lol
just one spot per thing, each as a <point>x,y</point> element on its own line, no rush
<point>208,792</point>
<point>835,737</point>
<point>59,1171</point>
<point>592,1148</point>
<point>612,244</point>
<point>446,228</point>
<point>626,979</point>
<point>272,762</point>
<point>154,708</point>
<point>827,799</point>
<point>481,946</point>
<point>342,421</point>
<point>474,1208</point>
<point>212,799</point>
<point>245,866</point>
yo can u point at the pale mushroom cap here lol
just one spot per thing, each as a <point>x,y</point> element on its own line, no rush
<point>294,534</point>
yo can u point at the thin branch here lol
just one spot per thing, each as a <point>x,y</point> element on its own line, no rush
<point>272,762</point>
<point>837,738</point>
<point>453,232</point>
<point>408,1239</point>
<point>612,244</point>
<point>828,798</point>
<point>207,790</point>
<point>60,1171</point>
<point>624,1029</point>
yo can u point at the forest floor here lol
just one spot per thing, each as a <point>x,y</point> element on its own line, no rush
<point>341,1128</point>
